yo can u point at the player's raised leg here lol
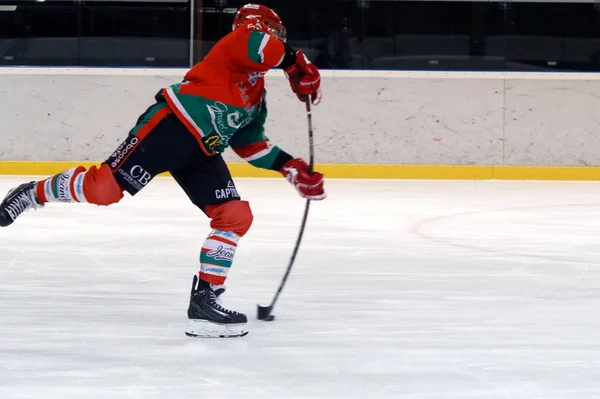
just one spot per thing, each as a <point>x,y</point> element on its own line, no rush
<point>210,187</point>
<point>141,156</point>
<point>96,186</point>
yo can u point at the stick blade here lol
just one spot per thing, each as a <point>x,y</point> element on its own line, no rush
<point>263,312</point>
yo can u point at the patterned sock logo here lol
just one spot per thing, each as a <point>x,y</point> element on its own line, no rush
<point>217,256</point>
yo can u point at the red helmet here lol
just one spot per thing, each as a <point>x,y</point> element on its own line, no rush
<point>265,15</point>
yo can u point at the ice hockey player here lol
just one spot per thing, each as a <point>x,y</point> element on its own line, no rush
<point>220,103</point>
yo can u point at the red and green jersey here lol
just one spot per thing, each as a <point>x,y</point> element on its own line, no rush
<point>222,99</point>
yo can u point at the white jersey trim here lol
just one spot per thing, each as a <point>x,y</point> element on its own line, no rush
<point>262,46</point>
<point>187,116</point>
<point>260,154</point>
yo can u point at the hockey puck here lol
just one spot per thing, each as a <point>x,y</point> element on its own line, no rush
<point>269,318</point>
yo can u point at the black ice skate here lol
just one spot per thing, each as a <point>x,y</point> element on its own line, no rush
<point>208,319</point>
<point>17,201</point>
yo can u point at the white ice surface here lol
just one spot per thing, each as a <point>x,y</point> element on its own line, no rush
<point>406,289</point>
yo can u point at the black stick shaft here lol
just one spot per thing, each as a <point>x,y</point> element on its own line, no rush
<point>305,217</point>
<point>311,150</point>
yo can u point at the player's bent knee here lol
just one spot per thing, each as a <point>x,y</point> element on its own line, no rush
<point>100,186</point>
<point>235,216</point>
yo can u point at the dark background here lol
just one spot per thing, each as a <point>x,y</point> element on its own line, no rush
<point>357,34</point>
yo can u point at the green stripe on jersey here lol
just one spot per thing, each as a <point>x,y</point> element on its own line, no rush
<point>146,117</point>
<point>268,160</point>
<point>256,44</point>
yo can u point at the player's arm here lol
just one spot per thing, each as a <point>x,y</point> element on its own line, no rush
<point>251,144</point>
<point>265,49</point>
<point>304,77</point>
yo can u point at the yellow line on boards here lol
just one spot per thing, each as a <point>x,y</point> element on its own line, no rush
<point>363,171</point>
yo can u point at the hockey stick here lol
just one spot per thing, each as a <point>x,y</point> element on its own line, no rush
<point>264,312</point>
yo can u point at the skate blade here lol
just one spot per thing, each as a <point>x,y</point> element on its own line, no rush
<point>206,329</point>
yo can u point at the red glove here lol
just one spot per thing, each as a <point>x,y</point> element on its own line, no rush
<point>305,79</point>
<point>309,185</point>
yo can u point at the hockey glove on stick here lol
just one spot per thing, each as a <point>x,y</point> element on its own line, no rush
<point>309,185</point>
<point>305,79</point>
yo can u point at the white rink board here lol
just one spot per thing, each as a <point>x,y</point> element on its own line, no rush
<point>458,290</point>
<point>366,117</point>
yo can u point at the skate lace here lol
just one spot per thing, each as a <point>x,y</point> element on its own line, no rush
<point>22,203</point>
<point>218,304</point>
